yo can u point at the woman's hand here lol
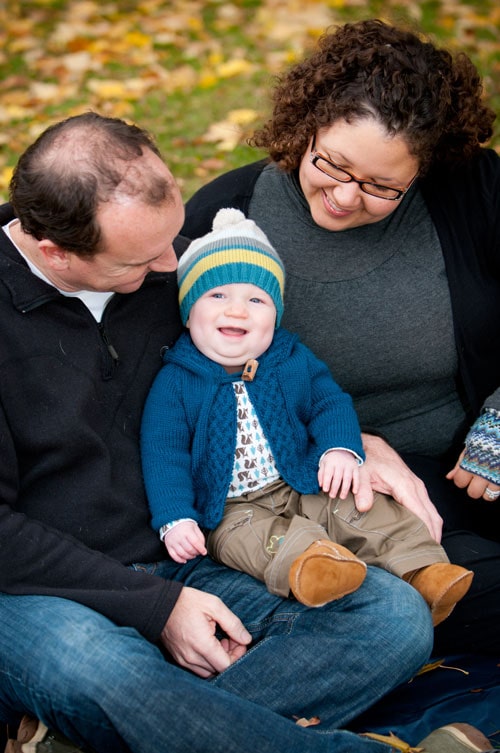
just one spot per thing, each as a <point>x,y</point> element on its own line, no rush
<point>189,634</point>
<point>476,486</point>
<point>384,471</point>
<point>478,467</point>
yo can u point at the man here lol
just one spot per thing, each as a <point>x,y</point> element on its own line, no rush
<point>101,636</point>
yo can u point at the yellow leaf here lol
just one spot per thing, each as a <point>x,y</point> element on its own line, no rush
<point>225,133</point>
<point>429,667</point>
<point>107,89</point>
<point>132,88</point>
<point>23,44</point>
<point>393,741</point>
<point>438,664</point>
<point>5,176</point>
<point>182,78</point>
<point>120,109</point>
<point>84,9</point>
<point>194,23</point>
<point>207,80</point>
<point>243,116</point>
<point>137,39</point>
<point>15,112</point>
<point>233,68</point>
<point>215,58</point>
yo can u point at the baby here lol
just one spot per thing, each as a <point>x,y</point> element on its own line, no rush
<point>251,451</point>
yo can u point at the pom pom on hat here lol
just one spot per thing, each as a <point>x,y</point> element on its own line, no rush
<point>236,251</point>
<point>231,216</point>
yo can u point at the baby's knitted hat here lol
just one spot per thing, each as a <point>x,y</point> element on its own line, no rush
<point>235,251</point>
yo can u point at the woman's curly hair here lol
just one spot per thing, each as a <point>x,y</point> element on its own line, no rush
<point>371,69</point>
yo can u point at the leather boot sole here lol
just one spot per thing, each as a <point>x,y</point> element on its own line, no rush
<point>324,572</point>
<point>442,585</point>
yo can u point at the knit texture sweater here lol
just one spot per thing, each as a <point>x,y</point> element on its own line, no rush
<point>188,435</point>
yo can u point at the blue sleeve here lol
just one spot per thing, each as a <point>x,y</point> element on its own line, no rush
<point>165,450</point>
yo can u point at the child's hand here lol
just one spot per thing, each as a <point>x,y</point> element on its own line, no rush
<point>339,473</point>
<point>185,541</point>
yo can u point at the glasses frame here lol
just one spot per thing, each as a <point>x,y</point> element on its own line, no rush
<point>316,156</point>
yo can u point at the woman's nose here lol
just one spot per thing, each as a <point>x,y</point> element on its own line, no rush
<point>347,194</point>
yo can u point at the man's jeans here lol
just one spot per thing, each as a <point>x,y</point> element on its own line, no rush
<point>110,688</point>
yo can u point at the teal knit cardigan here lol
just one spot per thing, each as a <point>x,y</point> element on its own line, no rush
<point>188,434</point>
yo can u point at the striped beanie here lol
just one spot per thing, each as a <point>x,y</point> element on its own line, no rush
<point>235,251</point>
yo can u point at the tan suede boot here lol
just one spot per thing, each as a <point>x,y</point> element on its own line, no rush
<point>441,585</point>
<point>324,572</point>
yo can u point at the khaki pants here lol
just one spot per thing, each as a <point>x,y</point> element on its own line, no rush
<point>262,532</point>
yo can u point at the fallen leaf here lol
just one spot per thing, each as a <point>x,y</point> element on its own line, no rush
<point>233,68</point>
<point>393,741</point>
<point>429,667</point>
<point>243,116</point>
<point>225,133</point>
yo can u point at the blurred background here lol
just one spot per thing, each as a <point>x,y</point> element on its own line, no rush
<point>196,73</point>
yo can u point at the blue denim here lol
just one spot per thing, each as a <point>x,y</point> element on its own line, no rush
<point>110,688</point>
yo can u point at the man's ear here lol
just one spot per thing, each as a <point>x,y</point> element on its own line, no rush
<point>55,256</point>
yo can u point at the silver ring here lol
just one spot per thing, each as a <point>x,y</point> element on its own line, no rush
<point>491,494</point>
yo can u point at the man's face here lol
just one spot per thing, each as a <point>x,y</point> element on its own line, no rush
<point>136,239</point>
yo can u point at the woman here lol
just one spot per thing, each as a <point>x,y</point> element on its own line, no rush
<point>385,208</point>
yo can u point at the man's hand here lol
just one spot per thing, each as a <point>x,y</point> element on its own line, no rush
<point>476,486</point>
<point>385,472</point>
<point>185,541</point>
<point>189,634</point>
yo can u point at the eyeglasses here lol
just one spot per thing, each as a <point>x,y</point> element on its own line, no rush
<point>338,173</point>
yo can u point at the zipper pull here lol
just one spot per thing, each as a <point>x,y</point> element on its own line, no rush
<point>114,355</point>
<point>111,349</point>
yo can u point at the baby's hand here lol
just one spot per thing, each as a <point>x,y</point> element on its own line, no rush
<point>339,473</point>
<point>185,541</point>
